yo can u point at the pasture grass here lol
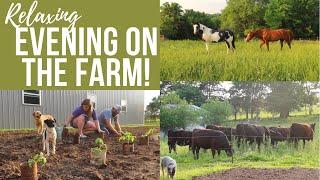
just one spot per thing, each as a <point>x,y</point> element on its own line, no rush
<point>284,156</point>
<point>188,60</point>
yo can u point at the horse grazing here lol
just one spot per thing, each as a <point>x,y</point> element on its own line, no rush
<point>209,35</point>
<point>269,35</point>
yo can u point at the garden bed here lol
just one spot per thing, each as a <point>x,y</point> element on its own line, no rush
<point>73,161</point>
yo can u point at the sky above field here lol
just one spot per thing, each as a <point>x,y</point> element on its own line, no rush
<point>207,6</point>
<point>148,95</point>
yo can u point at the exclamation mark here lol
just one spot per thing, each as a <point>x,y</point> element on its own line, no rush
<point>146,71</point>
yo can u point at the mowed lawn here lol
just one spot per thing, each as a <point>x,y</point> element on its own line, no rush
<point>285,156</point>
<point>188,60</point>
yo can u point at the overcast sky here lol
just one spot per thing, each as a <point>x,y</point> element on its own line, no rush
<point>207,6</point>
<point>148,95</point>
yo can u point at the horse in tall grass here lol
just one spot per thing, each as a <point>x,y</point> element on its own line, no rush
<point>210,35</point>
<point>269,35</point>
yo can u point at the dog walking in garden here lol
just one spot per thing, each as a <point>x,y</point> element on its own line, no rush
<point>210,35</point>
<point>170,164</point>
<point>46,125</point>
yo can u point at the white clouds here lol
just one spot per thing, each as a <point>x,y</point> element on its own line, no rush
<point>207,6</point>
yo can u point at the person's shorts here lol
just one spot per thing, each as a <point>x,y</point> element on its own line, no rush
<point>86,119</point>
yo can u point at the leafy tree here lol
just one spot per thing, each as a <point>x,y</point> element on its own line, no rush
<point>176,113</point>
<point>310,98</point>
<point>216,111</point>
<point>153,108</point>
<point>243,15</point>
<point>170,17</point>
<point>192,94</point>
<point>301,16</point>
<point>285,97</point>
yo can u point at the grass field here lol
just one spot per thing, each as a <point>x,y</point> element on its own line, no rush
<point>285,156</point>
<point>188,60</point>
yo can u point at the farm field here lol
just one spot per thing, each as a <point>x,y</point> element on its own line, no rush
<point>72,160</point>
<point>188,60</point>
<point>283,159</point>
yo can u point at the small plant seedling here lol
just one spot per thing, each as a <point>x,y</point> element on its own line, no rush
<point>127,137</point>
<point>100,146</point>
<point>38,158</point>
<point>149,132</point>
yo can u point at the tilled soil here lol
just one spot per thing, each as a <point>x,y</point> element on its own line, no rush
<point>72,161</point>
<point>263,174</point>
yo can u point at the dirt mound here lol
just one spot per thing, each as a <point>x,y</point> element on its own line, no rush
<point>263,174</point>
<point>72,161</point>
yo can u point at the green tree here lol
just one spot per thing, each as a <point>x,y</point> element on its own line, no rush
<point>153,108</point>
<point>243,15</point>
<point>170,17</point>
<point>216,111</point>
<point>191,93</point>
<point>285,97</point>
<point>301,16</point>
<point>176,113</point>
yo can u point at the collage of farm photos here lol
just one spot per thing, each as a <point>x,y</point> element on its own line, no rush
<point>239,90</point>
<point>213,90</point>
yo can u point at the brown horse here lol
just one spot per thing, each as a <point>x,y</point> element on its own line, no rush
<point>269,35</point>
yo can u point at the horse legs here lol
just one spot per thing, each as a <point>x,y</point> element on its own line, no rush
<point>207,48</point>
<point>289,44</point>
<point>228,47</point>
<point>281,43</point>
<point>267,43</point>
<point>261,44</point>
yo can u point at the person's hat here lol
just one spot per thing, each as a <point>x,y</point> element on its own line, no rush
<point>117,107</point>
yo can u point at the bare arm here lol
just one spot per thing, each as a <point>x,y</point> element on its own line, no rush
<point>110,127</point>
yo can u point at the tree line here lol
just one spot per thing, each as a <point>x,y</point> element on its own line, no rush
<point>242,16</point>
<point>218,101</point>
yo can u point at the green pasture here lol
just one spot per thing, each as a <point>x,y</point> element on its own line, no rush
<point>188,60</point>
<point>284,156</point>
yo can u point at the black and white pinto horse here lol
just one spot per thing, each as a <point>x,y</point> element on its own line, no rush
<point>210,35</point>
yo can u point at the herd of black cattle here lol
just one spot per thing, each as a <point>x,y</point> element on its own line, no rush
<point>218,138</point>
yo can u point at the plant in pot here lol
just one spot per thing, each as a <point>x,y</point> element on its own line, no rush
<point>29,170</point>
<point>144,139</point>
<point>98,153</point>
<point>128,142</point>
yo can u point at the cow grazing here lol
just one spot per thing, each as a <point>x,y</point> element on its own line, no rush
<point>179,137</point>
<point>278,134</point>
<point>210,35</point>
<point>300,131</point>
<point>210,139</point>
<point>250,133</point>
<point>226,130</point>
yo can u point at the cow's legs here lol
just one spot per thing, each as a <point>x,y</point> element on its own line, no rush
<point>197,152</point>
<point>213,153</point>
<point>174,149</point>
<point>219,152</point>
<point>238,142</point>
<point>281,43</point>
<point>304,143</point>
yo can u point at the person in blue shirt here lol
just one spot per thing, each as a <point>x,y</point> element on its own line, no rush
<point>80,118</point>
<point>105,120</point>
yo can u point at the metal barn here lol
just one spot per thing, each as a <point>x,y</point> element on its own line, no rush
<point>16,106</point>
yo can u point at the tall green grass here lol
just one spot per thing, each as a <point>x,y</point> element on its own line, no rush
<point>188,60</point>
<point>284,156</point>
